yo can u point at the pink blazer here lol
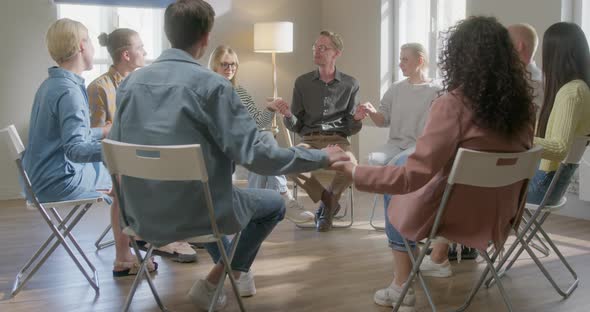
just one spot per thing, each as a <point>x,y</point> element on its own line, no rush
<point>474,216</point>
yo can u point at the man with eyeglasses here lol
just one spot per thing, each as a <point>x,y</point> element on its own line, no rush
<point>323,113</point>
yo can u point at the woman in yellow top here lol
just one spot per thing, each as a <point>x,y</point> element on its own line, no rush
<point>566,107</point>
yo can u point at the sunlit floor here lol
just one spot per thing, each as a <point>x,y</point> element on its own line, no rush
<point>296,270</point>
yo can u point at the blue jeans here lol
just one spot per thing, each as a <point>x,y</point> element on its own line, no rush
<point>270,210</point>
<point>394,237</point>
<point>539,185</point>
<point>277,183</point>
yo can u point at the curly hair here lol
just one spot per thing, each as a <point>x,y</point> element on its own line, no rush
<point>479,59</point>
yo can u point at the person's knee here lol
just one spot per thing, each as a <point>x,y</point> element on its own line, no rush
<point>376,159</point>
<point>277,204</point>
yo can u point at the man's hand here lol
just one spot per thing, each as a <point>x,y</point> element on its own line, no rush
<point>106,129</point>
<point>279,105</point>
<point>345,167</point>
<point>335,153</point>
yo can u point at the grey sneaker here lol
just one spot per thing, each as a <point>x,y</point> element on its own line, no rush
<point>295,212</point>
<point>429,268</point>
<point>202,293</point>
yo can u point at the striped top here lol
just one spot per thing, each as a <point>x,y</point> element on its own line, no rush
<point>569,118</point>
<point>263,118</point>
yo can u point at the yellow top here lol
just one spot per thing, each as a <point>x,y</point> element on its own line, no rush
<point>569,118</point>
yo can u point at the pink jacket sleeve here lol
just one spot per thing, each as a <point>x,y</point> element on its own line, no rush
<point>434,150</point>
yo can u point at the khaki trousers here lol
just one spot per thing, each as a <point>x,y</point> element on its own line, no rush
<point>309,181</point>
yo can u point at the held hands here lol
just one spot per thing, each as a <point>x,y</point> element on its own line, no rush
<point>345,167</point>
<point>335,154</point>
<point>279,105</point>
<point>363,110</point>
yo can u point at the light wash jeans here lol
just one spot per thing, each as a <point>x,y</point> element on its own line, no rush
<point>277,183</point>
<point>270,210</point>
<point>394,237</point>
<point>540,183</point>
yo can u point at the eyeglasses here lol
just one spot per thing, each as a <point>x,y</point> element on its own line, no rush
<point>322,48</point>
<point>228,65</point>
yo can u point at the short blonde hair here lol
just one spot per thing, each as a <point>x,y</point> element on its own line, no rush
<point>215,60</point>
<point>335,38</point>
<point>418,50</point>
<point>63,39</point>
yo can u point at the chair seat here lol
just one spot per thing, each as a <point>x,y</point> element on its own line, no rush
<point>67,203</point>
<point>559,205</point>
<point>209,238</point>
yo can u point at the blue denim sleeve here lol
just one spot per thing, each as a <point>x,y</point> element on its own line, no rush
<point>236,135</point>
<point>76,135</point>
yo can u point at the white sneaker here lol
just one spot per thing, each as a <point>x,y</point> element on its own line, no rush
<point>246,285</point>
<point>202,293</point>
<point>296,213</point>
<point>389,296</point>
<point>429,268</point>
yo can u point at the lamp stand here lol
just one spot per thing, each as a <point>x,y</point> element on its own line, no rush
<point>277,126</point>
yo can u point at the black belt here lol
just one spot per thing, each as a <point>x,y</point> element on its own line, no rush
<point>326,133</point>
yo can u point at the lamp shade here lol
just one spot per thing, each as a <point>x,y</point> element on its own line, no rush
<point>273,37</point>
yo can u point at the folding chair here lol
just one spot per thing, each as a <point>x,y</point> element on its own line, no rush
<point>60,227</point>
<point>165,163</point>
<point>535,221</point>
<point>99,244</point>
<point>480,169</point>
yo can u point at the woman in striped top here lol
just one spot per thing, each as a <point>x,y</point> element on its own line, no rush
<point>224,61</point>
<point>565,114</point>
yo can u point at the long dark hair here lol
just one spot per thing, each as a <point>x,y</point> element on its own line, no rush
<point>565,58</point>
<point>479,59</point>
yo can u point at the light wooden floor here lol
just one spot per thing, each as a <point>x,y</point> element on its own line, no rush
<point>296,270</point>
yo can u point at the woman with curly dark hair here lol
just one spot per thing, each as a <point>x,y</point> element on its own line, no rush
<point>486,105</point>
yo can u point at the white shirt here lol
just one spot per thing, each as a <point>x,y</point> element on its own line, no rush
<point>405,107</point>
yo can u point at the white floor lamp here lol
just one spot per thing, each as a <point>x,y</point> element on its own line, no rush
<point>275,37</point>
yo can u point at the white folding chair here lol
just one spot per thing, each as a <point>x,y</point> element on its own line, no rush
<point>534,221</point>
<point>60,227</point>
<point>480,169</point>
<point>166,163</point>
<point>99,244</point>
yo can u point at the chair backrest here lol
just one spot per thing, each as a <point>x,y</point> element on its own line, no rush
<point>577,150</point>
<point>485,169</point>
<point>165,162</point>
<point>12,141</point>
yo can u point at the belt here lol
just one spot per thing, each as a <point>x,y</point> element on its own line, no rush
<point>326,133</point>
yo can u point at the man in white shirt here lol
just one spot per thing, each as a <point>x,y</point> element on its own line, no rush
<point>525,40</point>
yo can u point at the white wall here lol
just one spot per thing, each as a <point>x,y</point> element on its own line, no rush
<point>539,13</point>
<point>24,62</point>
<point>359,23</point>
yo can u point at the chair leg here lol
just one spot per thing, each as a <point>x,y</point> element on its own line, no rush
<point>415,272</point>
<point>23,276</point>
<point>564,293</point>
<point>477,286</point>
<point>234,246</point>
<point>99,244</point>
<point>229,273</point>
<point>372,217</point>
<point>142,272</point>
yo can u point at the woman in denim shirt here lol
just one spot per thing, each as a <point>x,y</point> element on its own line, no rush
<point>63,154</point>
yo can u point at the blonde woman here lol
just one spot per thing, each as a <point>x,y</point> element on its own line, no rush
<point>63,155</point>
<point>126,50</point>
<point>224,61</point>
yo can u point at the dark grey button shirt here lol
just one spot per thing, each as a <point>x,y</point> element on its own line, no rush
<point>327,107</point>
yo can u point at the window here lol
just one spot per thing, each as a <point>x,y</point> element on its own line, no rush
<point>422,21</point>
<point>148,22</point>
<point>580,9</point>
